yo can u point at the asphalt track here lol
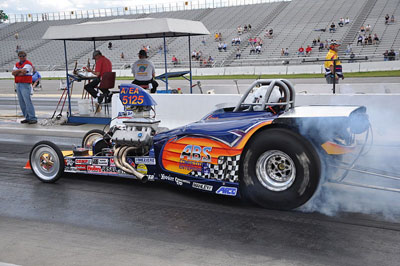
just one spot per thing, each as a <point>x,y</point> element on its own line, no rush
<point>93,220</point>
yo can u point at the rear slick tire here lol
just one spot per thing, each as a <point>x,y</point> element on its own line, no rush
<point>47,161</point>
<point>279,169</point>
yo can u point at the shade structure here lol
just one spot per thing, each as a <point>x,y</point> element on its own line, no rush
<point>124,29</point>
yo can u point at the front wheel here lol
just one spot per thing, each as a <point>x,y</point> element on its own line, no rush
<point>91,137</point>
<point>279,169</point>
<point>47,161</point>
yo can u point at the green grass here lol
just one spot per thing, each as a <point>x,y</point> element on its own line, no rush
<point>393,73</point>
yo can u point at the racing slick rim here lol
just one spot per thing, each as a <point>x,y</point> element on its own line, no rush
<point>45,162</point>
<point>275,170</point>
<point>91,137</point>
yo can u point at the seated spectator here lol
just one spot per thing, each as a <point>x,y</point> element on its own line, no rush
<point>386,55</point>
<point>365,40</point>
<point>321,46</point>
<point>300,51</point>
<point>360,39</point>
<point>238,53</point>
<point>392,55</point>
<point>160,49</point>
<point>370,39</point>
<point>308,50</point>
<point>252,49</point>
<point>349,49</point>
<point>220,36</point>
<point>314,42</point>
<point>219,47</point>
<point>271,33</point>
<point>224,46</point>
<point>174,60</point>
<point>347,20</point>
<point>332,27</point>
<point>194,53</point>
<point>282,52</point>
<point>199,55</point>
<point>122,55</point>
<point>352,56</point>
<point>392,19</point>
<point>260,42</point>
<point>362,29</point>
<point>249,27</point>
<point>216,37</point>
<point>286,52</point>
<point>239,30</point>
<point>250,40</point>
<point>210,61</point>
<point>237,41</point>
<point>341,22</point>
<point>258,49</point>
<point>109,45</point>
<point>203,41</point>
<point>376,39</point>
<point>233,41</point>
<point>387,19</point>
<point>319,39</point>
<point>368,28</point>
<point>245,28</point>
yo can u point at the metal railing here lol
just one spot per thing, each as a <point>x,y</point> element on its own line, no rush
<point>132,10</point>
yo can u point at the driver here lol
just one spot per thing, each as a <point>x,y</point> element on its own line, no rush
<point>144,72</point>
<point>275,97</point>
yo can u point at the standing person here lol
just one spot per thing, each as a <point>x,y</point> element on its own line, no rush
<point>102,65</point>
<point>22,72</point>
<point>329,73</point>
<point>144,72</point>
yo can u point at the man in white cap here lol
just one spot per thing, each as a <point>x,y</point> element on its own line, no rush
<point>144,72</point>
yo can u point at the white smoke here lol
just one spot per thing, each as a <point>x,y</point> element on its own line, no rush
<point>383,158</point>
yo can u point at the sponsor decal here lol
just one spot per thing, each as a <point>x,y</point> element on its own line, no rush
<point>94,169</point>
<point>141,168</point>
<point>180,182</point>
<point>196,153</point>
<point>150,177</point>
<point>109,169</point>
<point>100,161</point>
<point>131,162</point>
<point>112,163</point>
<point>202,186</point>
<point>69,162</point>
<point>145,160</point>
<point>81,167</point>
<point>190,165</point>
<point>167,177</point>
<point>229,191</point>
<point>83,161</point>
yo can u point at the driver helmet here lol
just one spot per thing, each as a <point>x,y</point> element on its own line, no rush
<point>273,98</point>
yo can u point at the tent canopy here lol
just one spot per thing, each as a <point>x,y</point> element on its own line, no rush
<point>123,29</point>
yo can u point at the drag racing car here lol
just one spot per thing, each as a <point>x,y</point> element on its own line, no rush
<point>263,148</point>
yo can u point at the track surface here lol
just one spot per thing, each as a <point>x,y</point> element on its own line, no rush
<point>92,220</point>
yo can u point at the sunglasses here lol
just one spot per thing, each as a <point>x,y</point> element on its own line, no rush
<point>22,55</point>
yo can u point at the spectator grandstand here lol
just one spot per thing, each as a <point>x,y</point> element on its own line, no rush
<point>295,23</point>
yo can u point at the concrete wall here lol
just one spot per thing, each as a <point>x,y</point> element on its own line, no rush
<point>255,70</point>
<point>179,110</point>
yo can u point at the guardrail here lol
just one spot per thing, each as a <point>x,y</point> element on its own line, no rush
<point>138,9</point>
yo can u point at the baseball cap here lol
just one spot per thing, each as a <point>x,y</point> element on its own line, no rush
<point>143,53</point>
<point>21,53</point>
<point>96,52</point>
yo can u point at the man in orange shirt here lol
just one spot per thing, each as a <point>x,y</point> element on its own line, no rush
<point>102,65</point>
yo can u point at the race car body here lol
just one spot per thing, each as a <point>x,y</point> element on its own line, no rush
<point>266,150</point>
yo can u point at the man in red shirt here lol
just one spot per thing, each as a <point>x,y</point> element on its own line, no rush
<point>308,50</point>
<point>300,51</point>
<point>22,72</point>
<point>102,65</point>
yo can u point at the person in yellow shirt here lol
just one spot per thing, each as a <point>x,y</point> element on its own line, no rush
<point>329,73</point>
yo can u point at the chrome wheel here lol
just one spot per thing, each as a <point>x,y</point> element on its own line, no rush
<point>45,162</point>
<point>91,137</point>
<point>275,170</point>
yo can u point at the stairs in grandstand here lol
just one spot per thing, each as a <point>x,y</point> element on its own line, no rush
<point>352,33</point>
<point>257,30</point>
